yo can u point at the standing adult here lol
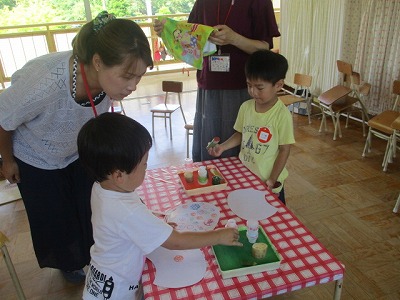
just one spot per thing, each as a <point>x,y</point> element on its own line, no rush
<point>242,27</point>
<point>49,100</point>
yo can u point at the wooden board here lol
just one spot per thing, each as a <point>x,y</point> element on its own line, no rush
<point>195,188</point>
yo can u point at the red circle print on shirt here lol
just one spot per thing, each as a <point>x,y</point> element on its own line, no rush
<point>178,258</point>
<point>264,135</point>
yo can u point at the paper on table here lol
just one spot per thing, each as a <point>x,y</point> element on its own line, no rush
<point>178,268</point>
<point>250,204</point>
<point>194,216</point>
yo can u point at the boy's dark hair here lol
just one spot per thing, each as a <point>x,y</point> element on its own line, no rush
<point>266,65</point>
<point>112,142</point>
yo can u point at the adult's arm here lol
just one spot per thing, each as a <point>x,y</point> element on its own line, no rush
<point>224,35</point>
<point>10,168</point>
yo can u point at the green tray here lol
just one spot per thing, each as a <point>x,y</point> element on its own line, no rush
<point>237,261</point>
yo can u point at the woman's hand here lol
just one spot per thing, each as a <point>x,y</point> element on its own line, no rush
<point>223,35</point>
<point>11,171</point>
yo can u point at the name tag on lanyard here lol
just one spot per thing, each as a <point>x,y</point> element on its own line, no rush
<point>219,63</point>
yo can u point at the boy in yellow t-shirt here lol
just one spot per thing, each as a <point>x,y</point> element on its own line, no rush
<point>264,126</point>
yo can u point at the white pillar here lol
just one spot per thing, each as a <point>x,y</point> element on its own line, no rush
<point>88,11</point>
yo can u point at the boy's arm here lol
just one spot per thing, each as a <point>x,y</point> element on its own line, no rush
<point>195,240</point>
<point>279,164</point>
<point>233,141</point>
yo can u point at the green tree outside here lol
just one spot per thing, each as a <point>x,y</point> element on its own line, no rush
<point>22,12</point>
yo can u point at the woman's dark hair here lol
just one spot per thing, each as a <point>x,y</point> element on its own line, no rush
<point>115,42</point>
<point>266,65</point>
<point>112,142</point>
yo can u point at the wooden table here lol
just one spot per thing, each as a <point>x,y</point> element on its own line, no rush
<point>306,262</point>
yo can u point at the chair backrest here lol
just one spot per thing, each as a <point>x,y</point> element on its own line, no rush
<point>302,80</point>
<point>303,83</point>
<point>344,67</point>
<point>396,124</point>
<point>365,89</point>
<point>396,91</point>
<point>172,86</point>
<point>396,87</point>
<point>347,71</point>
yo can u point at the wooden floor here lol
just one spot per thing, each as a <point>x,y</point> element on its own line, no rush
<point>344,199</point>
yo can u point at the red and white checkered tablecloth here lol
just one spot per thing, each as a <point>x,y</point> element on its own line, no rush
<point>306,262</point>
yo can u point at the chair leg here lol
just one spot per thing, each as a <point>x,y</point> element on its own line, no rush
<point>187,143</point>
<point>323,121</point>
<point>309,111</point>
<point>391,151</point>
<point>388,153</point>
<point>367,147</point>
<point>326,125</point>
<point>347,120</point>
<point>363,122</point>
<point>396,207</point>
<point>10,267</point>
<point>122,107</point>
<point>334,128</point>
<point>152,124</point>
<point>170,127</point>
<point>336,124</point>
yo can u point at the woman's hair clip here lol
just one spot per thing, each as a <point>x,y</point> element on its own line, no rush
<point>102,19</point>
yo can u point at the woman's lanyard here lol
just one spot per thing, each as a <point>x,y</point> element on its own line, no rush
<point>228,13</point>
<point>87,89</point>
<point>226,18</point>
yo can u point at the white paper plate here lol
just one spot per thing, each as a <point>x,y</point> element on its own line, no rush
<point>250,204</point>
<point>194,216</point>
<point>178,268</point>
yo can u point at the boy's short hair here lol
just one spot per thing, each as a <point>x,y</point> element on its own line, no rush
<point>266,65</point>
<point>112,142</point>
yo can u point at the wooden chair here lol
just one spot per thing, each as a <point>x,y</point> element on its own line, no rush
<point>10,266</point>
<point>337,101</point>
<point>352,79</point>
<point>166,109</point>
<point>381,127</point>
<point>303,83</point>
<point>392,144</point>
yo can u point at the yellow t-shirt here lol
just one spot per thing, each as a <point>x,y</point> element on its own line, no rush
<point>262,133</point>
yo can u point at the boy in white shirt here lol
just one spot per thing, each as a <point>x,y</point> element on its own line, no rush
<point>114,149</point>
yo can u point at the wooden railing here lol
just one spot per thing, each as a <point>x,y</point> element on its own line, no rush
<point>19,44</point>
